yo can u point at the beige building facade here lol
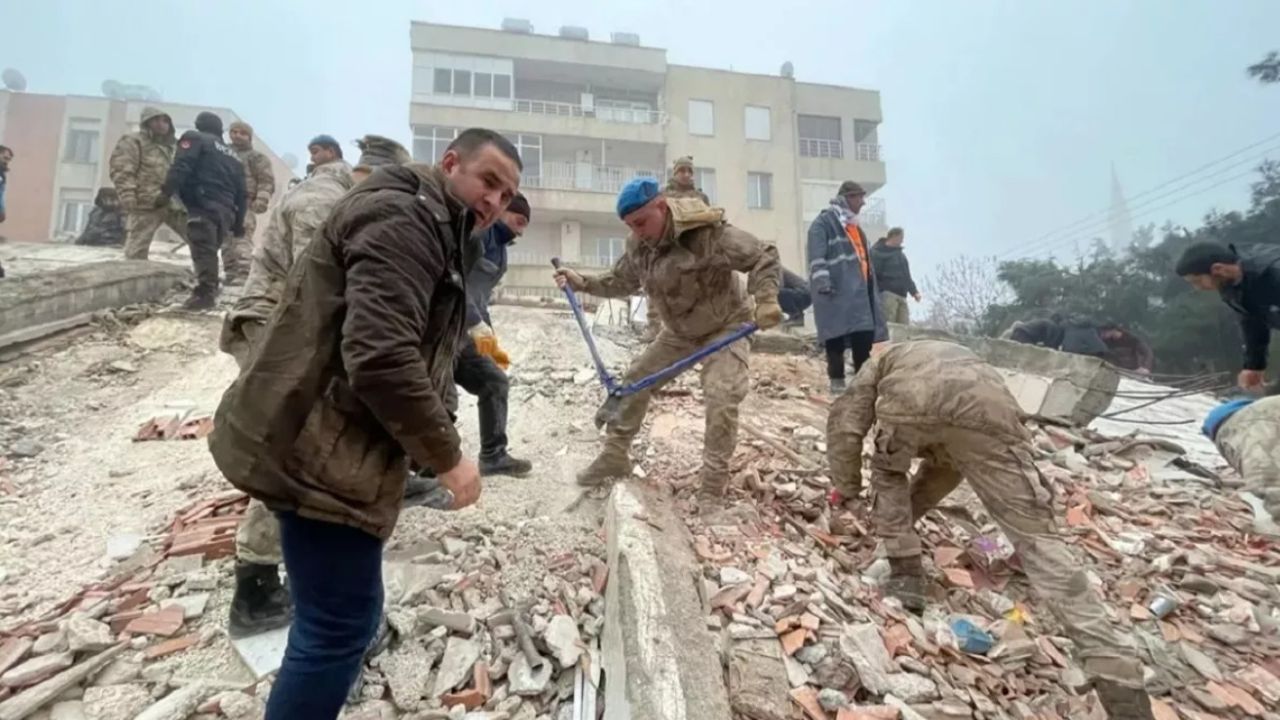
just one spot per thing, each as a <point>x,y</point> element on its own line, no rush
<point>62,144</point>
<point>590,116</point>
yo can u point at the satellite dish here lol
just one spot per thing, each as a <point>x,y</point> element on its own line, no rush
<point>111,88</point>
<point>13,80</point>
<point>290,161</point>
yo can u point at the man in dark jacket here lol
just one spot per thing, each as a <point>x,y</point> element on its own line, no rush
<point>348,378</point>
<point>1249,283</point>
<point>482,364</point>
<point>106,222</point>
<point>793,298</point>
<point>893,275</point>
<point>846,297</point>
<point>209,178</point>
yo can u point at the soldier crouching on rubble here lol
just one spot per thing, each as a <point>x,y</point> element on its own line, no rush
<point>940,402</point>
<point>684,255</point>
<point>1247,433</point>
<point>347,383</point>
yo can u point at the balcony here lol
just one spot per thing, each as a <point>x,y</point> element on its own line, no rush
<point>560,175</point>
<point>867,152</point>
<point>817,147</point>
<point>548,117</point>
<point>601,111</point>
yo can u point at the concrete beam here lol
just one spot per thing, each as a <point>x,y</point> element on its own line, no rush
<point>659,659</point>
<point>45,302</point>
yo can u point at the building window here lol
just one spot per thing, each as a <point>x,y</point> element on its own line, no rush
<point>760,191</point>
<point>462,82</point>
<point>756,123</point>
<point>484,84</point>
<point>73,214</point>
<point>530,149</point>
<point>502,86</point>
<point>705,180</point>
<point>429,143</point>
<point>82,146</point>
<point>819,136</point>
<point>606,251</point>
<point>443,82</point>
<point>702,117</point>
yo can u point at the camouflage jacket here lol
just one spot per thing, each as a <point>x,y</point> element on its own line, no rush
<point>259,180</point>
<point>292,225</point>
<point>1249,441</point>
<point>139,165</point>
<point>925,382</point>
<point>689,274</point>
<point>675,191</point>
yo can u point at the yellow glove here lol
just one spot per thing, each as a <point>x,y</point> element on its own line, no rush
<point>487,345</point>
<point>768,314</point>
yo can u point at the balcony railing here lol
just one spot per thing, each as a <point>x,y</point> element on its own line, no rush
<point>873,214</point>
<point>560,175</point>
<point>817,147</point>
<point>868,152</point>
<point>517,258</point>
<point>602,111</point>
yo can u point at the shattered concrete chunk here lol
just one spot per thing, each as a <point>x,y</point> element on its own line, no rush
<point>84,634</point>
<point>564,641</point>
<point>407,669</point>
<point>36,669</point>
<point>758,680</point>
<point>55,641</point>
<point>526,681</point>
<point>116,702</point>
<point>459,622</point>
<point>459,657</point>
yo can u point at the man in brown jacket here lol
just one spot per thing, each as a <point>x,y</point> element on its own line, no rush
<point>349,377</point>
<point>684,256</point>
<point>940,402</point>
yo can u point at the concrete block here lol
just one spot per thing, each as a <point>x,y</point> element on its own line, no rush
<point>659,659</point>
<point>40,303</point>
<point>1066,387</point>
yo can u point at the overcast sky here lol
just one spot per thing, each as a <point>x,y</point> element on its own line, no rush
<point>1002,120</point>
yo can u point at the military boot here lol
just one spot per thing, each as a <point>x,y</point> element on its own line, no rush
<point>202,298</point>
<point>611,464</point>
<point>713,492</point>
<point>906,582</point>
<point>503,464</point>
<point>1123,703</point>
<point>260,602</point>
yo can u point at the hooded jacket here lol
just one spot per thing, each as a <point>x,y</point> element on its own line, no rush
<point>1257,299</point>
<point>105,225</point>
<point>893,272</point>
<point>689,274</point>
<point>259,180</point>
<point>352,370</point>
<point>140,163</point>
<point>844,299</point>
<point>487,271</point>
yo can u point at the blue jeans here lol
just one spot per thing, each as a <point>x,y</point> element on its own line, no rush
<point>335,577</point>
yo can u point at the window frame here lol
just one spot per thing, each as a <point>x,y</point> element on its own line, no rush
<point>760,184</point>
<point>711,106</point>
<point>768,123</point>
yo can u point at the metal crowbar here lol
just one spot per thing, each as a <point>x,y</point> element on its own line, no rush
<point>616,391</point>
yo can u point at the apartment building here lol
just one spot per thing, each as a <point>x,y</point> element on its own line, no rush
<point>63,143</point>
<point>588,116</point>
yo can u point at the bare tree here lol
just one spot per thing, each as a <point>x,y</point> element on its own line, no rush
<point>961,290</point>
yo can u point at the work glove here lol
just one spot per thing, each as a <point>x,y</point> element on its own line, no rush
<point>487,345</point>
<point>768,314</point>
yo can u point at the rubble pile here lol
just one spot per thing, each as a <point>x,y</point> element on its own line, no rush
<point>461,640</point>
<point>99,653</point>
<point>795,588</point>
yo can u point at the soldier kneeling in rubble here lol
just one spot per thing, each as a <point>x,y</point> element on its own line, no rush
<point>940,402</point>
<point>1245,432</point>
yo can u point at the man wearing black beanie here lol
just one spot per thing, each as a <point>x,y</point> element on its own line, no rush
<point>209,178</point>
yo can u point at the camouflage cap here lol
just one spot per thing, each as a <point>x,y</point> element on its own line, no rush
<point>377,150</point>
<point>683,161</point>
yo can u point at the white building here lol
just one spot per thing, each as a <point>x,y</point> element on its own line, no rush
<point>589,116</point>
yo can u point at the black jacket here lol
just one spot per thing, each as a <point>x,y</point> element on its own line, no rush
<point>1257,298</point>
<point>893,272</point>
<point>208,177</point>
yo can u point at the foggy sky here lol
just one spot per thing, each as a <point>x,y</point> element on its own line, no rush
<point>1001,119</point>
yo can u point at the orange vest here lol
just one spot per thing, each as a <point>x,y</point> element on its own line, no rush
<point>859,244</point>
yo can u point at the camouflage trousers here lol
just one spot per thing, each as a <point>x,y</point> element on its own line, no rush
<point>653,321</point>
<point>141,227</point>
<point>724,385</point>
<point>237,252</point>
<point>1250,442</point>
<point>258,537</point>
<point>895,308</point>
<point>1013,492</point>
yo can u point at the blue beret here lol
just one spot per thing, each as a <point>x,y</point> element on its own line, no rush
<point>636,194</point>
<point>1221,414</point>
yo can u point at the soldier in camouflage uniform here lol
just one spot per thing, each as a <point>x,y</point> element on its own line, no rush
<point>940,402</point>
<point>260,185</point>
<point>138,167</point>
<point>679,185</point>
<point>683,255</point>
<point>375,151</point>
<point>260,602</point>
<point>1247,433</point>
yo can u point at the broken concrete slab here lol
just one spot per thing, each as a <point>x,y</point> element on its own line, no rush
<point>193,606</point>
<point>460,655</point>
<point>262,653</point>
<point>657,653</point>
<point>179,704</point>
<point>84,634</point>
<point>407,669</point>
<point>758,682</point>
<point>528,681</point>
<point>36,669</point>
<point>564,641</point>
<point>116,702</point>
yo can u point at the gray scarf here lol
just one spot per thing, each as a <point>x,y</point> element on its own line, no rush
<point>841,206</point>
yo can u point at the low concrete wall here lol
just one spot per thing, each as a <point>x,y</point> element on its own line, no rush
<point>40,303</point>
<point>1063,386</point>
<point>659,659</point>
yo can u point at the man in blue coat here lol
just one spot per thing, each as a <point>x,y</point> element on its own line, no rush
<point>846,301</point>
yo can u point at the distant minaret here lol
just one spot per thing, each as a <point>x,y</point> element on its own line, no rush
<point>1120,221</point>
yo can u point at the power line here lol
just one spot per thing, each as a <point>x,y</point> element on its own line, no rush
<point>1098,225</point>
<point>1091,216</point>
<point>1177,200</point>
